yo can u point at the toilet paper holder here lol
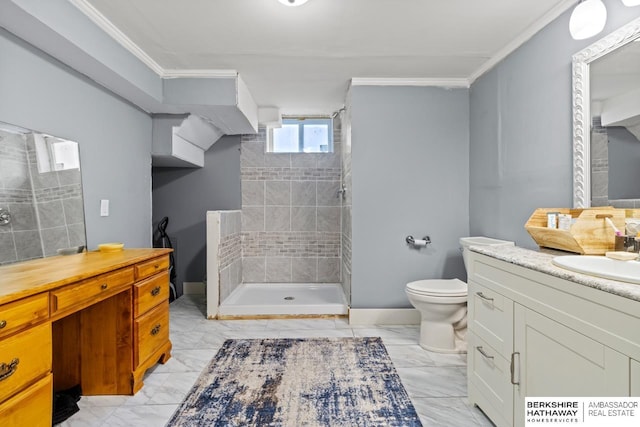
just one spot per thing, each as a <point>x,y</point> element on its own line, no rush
<point>418,242</point>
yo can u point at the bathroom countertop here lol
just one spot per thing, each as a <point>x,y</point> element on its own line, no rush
<point>541,261</point>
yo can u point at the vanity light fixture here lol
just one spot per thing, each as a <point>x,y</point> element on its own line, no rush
<point>630,3</point>
<point>293,2</point>
<point>587,19</point>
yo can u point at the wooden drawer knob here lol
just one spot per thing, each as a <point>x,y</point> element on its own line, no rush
<point>3,323</point>
<point>156,329</point>
<point>6,370</point>
<point>155,291</point>
<point>104,286</point>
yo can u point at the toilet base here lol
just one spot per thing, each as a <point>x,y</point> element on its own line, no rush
<point>442,337</point>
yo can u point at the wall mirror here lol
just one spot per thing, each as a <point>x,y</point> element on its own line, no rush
<point>606,121</point>
<point>41,205</point>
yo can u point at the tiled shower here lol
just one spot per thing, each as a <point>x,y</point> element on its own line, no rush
<point>293,230</point>
<point>46,209</point>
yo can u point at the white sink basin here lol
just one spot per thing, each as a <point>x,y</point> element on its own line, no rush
<point>600,266</point>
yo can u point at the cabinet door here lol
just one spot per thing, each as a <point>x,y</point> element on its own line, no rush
<point>555,360</point>
<point>635,378</point>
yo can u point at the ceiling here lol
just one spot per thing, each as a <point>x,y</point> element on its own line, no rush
<point>301,59</point>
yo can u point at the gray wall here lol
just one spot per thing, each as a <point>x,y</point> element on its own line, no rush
<point>410,151</point>
<point>185,195</point>
<point>521,130</point>
<point>40,93</point>
<point>624,162</point>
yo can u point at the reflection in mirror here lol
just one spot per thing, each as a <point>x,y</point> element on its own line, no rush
<point>41,206</point>
<point>606,121</point>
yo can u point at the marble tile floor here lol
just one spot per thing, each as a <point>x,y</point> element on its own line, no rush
<point>435,382</point>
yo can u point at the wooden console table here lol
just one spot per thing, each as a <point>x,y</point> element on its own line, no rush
<point>95,319</point>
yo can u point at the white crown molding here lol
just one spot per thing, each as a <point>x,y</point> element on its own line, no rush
<point>522,38</point>
<point>172,74</point>
<point>108,27</point>
<point>384,81</point>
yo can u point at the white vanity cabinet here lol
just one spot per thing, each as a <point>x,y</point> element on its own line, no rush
<point>534,334</point>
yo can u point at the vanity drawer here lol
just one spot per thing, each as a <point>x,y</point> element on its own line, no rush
<point>23,313</point>
<point>91,290</point>
<point>490,317</point>
<point>33,407</point>
<point>490,373</point>
<point>149,293</point>
<point>151,267</point>
<point>151,331</point>
<point>26,357</point>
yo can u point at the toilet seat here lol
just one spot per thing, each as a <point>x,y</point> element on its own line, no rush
<point>438,288</point>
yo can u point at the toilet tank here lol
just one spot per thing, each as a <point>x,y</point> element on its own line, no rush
<point>465,242</point>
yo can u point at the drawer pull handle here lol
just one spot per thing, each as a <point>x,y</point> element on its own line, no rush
<point>155,291</point>
<point>156,266</point>
<point>7,370</point>
<point>512,367</point>
<point>155,330</point>
<point>483,353</point>
<point>3,323</point>
<point>104,286</point>
<point>483,296</point>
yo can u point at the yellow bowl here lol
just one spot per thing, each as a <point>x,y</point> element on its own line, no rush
<point>110,247</point>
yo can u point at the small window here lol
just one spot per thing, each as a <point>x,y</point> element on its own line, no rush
<point>302,135</point>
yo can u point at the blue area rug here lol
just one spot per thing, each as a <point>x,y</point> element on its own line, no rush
<point>298,382</point>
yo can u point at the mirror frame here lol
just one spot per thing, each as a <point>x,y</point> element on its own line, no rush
<point>582,107</point>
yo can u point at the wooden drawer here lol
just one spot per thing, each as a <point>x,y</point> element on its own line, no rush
<point>32,407</point>
<point>149,293</point>
<point>23,313</point>
<point>151,267</point>
<point>89,291</point>
<point>26,357</point>
<point>490,317</point>
<point>151,331</point>
<point>490,373</point>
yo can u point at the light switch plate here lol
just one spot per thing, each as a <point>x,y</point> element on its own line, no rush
<point>104,207</point>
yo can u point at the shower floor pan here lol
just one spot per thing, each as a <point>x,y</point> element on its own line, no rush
<point>251,299</point>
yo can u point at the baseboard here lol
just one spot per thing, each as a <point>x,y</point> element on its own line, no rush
<point>384,316</point>
<point>193,288</point>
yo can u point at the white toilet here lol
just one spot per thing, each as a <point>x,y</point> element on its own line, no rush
<point>443,305</point>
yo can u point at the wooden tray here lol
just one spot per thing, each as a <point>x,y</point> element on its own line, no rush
<point>589,235</point>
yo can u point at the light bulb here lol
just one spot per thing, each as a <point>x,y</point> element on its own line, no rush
<point>293,2</point>
<point>630,3</point>
<point>587,19</point>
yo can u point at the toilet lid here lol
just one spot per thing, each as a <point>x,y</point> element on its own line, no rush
<point>442,287</point>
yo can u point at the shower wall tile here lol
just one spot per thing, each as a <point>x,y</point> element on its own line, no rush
<point>23,216</point>
<point>73,210</point>
<point>69,177</point>
<point>28,245</point>
<point>328,193</point>
<point>252,154</point>
<point>252,193</point>
<point>278,270</point>
<point>329,270</point>
<point>253,219</point>
<point>77,234</point>
<point>54,239</point>
<point>329,219</point>
<point>304,270</point>
<point>277,218</point>
<point>51,214</point>
<point>303,218</point>
<point>226,287</point>
<point>277,193</point>
<point>7,248</point>
<point>277,160</point>
<point>15,174</point>
<point>303,193</point>
<point>253,270</point>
